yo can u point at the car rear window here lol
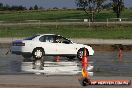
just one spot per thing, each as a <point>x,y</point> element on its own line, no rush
<point>30,38</point>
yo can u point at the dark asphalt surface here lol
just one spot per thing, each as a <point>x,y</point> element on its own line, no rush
<point>40,81</point>
<point>106,66</point>
<point>106,63</point>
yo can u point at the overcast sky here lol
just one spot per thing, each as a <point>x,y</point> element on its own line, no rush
<point>50,3</point>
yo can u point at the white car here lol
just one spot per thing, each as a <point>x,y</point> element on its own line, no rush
<point>49,45</point>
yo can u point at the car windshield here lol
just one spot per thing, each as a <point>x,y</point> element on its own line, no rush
<point>30,38</point>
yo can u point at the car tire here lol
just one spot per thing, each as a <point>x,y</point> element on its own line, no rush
<point>80,53</point>
<point>38,53</point>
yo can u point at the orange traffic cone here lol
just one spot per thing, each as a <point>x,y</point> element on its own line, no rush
<point>85,75</point>
<point>84,59</point>
<point>57,59</point>
<point>84,64</point>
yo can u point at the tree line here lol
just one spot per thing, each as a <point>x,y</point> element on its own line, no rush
<point>95,6</point>
<point>17,7</point>
<point>22,8</point>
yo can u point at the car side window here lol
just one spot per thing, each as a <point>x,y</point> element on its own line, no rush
<point>60,39</point>
<point>41,39</point>
<point>47,38</point>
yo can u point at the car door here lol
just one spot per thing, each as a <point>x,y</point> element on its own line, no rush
<point>65,46</point>
<point>47,42</point>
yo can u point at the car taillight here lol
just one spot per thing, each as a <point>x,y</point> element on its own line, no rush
<point>18,44</point>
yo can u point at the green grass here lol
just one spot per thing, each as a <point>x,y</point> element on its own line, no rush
<point>40,15</point>
<point>58,14</point>
<point>69,31</point>
<point>120,32</point>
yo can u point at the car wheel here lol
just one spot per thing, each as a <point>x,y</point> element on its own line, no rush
<point>80,53</point>
<point>38,53</point>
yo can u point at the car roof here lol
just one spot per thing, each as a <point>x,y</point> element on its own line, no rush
<point>47,34</point>
<point>50,34</point>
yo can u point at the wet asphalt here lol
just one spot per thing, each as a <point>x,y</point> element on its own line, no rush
<point>106,63</point>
